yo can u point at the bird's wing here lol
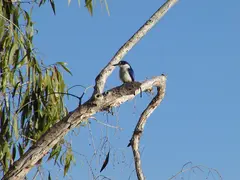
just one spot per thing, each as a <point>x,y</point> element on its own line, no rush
<point>131,72</point>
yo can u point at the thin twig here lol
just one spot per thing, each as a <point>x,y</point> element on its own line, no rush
<point>105,124</point>
<point>28,138</point>
<point>89,165</point>
<point>69,94</point>
<point>78,85</point>
<point>92,138</point>
<point>36,174</point>
<point>199,167</point>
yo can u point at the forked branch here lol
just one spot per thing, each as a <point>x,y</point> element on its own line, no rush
<point>148,25</point>
<point>100,102</point>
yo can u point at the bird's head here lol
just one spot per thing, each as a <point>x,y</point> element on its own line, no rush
<point>123,64</point>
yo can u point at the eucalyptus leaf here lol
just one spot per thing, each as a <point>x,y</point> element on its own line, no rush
<point>89,6</point>
<point>63,65</point>
<point>53,6</point>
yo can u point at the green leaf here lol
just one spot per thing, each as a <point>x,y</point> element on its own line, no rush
<point>20,150</point>
<point>36,66</point>
<point>55,152</point>
<point>106,4</point>
<point>15,89</point>
<point>14,150</point>
<point>63,64</point>
<point>53,6</point>
<point>105,162</point>
<point>68,160</point>
<point>56,156</point>
<point>15,125</point>
<point>41,2</point>
<point>62,159</point>
<point>27,17</point>
<point>49,176</point>
<point>16,17</point>
<point>12,52</point>
<point>5,160</point>
<point>89,6</point>
<point>5,148</point>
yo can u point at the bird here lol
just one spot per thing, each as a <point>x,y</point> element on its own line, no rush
<point>126,72</point>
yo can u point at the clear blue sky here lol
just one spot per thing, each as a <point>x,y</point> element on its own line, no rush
<point>196,44</point>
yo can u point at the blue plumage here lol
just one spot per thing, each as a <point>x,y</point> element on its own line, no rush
<point>131,72</point>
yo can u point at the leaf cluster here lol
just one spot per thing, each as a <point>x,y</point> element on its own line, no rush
<point>29,105</point>
<point>31,93</point>
<point>88,4</point>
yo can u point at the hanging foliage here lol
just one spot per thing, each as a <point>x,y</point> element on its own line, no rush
<point>29,104</point>
<point>31,93</point>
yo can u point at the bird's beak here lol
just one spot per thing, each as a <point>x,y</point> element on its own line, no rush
<point>116,64</point>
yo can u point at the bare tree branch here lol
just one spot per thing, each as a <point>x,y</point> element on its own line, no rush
<point>149,24</point>
<point>134,142</point>
<point>100,102</point>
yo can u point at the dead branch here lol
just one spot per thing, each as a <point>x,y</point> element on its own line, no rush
<point>100,102</point>
<point>134,142</point>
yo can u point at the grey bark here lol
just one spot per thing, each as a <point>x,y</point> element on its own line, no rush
<point>135,141</point>
<point>100,102</point>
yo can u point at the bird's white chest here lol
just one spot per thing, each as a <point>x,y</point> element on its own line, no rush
<point>124,75</point>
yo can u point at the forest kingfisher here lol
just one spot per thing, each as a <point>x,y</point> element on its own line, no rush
<point>126,72</point>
